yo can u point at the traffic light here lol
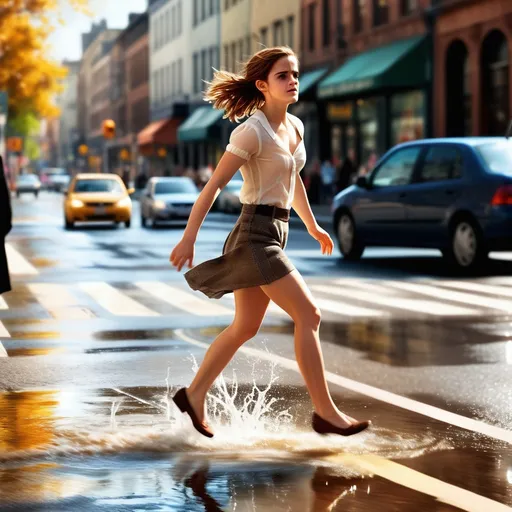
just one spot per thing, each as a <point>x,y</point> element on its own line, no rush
<point>109,129</point>
<point>83,149</point>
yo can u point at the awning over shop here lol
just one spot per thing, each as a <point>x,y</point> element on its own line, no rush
<point>162,132</point>
<point>199,124</point>
<point>400,64</point>
<point>308,80</point>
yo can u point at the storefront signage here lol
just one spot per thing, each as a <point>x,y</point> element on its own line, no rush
<point>346,88</point>
<point>339,111</point>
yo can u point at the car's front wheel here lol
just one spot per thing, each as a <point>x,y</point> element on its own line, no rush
<point>128,223</point>
<point>467,250</point>
<point>68,224</point>
<point>350,247</point>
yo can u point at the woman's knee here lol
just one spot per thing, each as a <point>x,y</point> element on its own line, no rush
<point>246,330</point>
<point>309,317</point>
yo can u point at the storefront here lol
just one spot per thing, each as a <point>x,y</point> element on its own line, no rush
<point>378,99</point>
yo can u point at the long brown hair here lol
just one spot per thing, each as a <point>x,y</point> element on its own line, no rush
<point>237,94</point>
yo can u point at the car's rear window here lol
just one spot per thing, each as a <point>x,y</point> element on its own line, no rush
<point>175,187</point>
<point>27,177</point>
<point>497,156</point>
<point>98,185</point>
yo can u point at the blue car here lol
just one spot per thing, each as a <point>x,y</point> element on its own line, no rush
<point>454,195</point>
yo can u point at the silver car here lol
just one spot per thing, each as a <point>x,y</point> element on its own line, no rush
<point>228,200</point>
<point>27,183</point>
<point>166,199</point>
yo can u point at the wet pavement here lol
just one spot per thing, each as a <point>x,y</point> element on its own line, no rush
<point>99,333</point>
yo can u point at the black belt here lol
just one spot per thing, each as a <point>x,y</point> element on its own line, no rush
<point>266,209</point>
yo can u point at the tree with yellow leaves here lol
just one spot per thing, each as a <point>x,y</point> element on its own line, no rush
<point>27,74</point>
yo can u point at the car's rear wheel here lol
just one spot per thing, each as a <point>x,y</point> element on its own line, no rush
<point>36,194</point>
<point>143,221</point>
<point>350,247</point>
<point>467,249</point>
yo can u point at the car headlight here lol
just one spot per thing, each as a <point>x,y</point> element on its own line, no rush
<point>126,201</point>
<point>76,203</point>
<point>160,205</point>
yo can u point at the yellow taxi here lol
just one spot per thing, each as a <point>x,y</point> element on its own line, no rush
<point>97,197</point>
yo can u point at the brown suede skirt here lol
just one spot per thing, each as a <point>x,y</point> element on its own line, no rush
<point>253,254</point>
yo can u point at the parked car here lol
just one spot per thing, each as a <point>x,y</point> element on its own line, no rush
<point>55,178</point>
<point>27,183</point>
<point>167,198</point>
<point>454,195</point>
<point>97,197</point>
<point>228,201</point>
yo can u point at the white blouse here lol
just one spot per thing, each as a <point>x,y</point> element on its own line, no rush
<point>271,170</point>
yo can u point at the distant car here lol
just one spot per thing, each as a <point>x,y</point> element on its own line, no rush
<point>56,179</point>
<point>449,194</point>
<point>228,200</point>
<point>27,183</point>
<point>167,198</point>
<point>97,197</point>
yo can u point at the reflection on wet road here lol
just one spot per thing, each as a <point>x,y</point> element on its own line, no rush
<point>98,334</point>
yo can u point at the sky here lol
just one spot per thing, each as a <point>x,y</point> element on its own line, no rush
<point>66,41</point>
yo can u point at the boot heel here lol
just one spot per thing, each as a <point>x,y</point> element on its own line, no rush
<point>180,400</point>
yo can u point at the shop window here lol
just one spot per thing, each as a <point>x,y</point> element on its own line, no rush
<point>407,117</point>
<point>457,80</point>
<point>278,33</point>
<point>397,170</point>
<point>326,22</point>
<point>358,10</point>
<point>441,163</point>
<point>495,81</point>
<point>312,24</point>
<point>380,12</point>
<point>291,29</point>
<point>263,37</point>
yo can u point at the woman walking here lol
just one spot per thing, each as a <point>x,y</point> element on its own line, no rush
<point>269,150</point>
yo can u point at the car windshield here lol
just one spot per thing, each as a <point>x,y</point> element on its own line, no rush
<point>498,157</point>
<point>98,185</point>
<point>175,187</point>
<point>27,177</point>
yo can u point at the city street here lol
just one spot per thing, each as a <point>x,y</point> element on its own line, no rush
<point>99,331</point>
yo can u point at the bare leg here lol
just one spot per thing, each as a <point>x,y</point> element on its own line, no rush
<point>250,307</point>
<point>292,294</point>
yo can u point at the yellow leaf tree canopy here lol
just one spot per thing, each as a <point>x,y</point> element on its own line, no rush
<point>29,76</point>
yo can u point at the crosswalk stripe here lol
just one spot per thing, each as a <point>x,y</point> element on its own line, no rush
<point>183,300</point>
<point>4,333</point>
<point>372,287</point>
<point>3,304</point>
<point>441,293</point>
<point>429,307</point>
<point>18,265</point>
<point>478,288</point>
<point>115,301</point>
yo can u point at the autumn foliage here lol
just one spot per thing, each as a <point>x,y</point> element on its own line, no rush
<point>27,73</point>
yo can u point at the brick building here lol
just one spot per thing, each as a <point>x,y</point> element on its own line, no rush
<point>372,84</point>
<point>473,45</point>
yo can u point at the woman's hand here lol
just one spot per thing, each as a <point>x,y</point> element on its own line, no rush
<point>183,253</point>
<point>323,239</point>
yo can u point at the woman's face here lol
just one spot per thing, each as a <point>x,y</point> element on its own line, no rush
<point>282,84</point>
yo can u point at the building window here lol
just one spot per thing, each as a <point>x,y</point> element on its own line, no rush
<point>263,37</point>
<point>291,30</point>
<point>226,56</point>
<point>380,12</point>
<point>248,45</point>
<point>180,77</point>
<point>162,84</point>
<point>213,9</point>
<point>311,17</point>
<point>278,33</point>
<point>408,7</point>
<point>213,62</point>
<point>174,87</point>
<point>179,21</point>
<point>204,66</point>
<point>174,22</point>
<point>233,57</point>
<point>326,22</point>
<point>358,15</point>
<point>194,15</point>
<point>168,92</point>
<point>196,72</point>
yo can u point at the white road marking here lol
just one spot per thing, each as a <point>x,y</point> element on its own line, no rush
<point>57,300</point>
<point>18,265</point>
<point>186,301</point>
<point>478,288</point>
<point>115,301</point>
<point>392,471</point>
<point>419,482</point>
<point>379,394</point>
<point>4,333</point>
<point>442,293</point>
<point>3,304</point>
<point>429,307</point>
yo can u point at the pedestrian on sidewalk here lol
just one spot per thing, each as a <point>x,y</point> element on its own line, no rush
<point>269,149</point>
<point>5,228</point>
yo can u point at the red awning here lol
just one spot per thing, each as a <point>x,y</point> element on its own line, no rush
<point>163,132</point>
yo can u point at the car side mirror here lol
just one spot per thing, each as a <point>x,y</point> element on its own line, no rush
<point>362,182</point>
<point>131,191</point>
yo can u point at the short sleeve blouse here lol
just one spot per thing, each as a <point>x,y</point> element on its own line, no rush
<point>270,171</point>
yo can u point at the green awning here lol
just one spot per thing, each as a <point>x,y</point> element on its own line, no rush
<point>403,63</point>
<point>309,79</point>
<point>198,125</point>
